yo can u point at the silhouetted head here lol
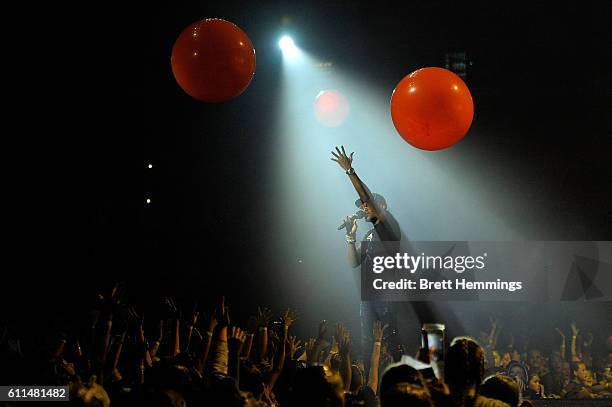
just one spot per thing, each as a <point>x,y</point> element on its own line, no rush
<point>464,365</point>
<point>357,379</point>
<point>402,385</point>
<point>518,372</point>
<point>314,386</point>
<point>502,388</point>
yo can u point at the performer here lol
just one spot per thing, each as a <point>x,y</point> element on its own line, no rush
<point>385,228</point>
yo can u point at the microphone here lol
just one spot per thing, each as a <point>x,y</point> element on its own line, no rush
<point>357,215</point>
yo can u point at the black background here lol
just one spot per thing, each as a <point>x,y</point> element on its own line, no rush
<point>94,100</point>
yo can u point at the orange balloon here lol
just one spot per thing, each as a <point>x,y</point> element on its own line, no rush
<point>432,108</point>
<point>331,108</point>
<point>213,60</point>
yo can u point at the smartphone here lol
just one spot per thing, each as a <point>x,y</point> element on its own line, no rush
<point>432,337</point>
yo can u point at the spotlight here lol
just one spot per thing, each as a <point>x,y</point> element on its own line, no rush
<point>288,47</point>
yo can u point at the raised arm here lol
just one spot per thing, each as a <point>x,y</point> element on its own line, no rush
<point>220,353</point>
<point>264,315</point>
<point>374,209</point>
<point>246,349</point>
<point>103,330</point>
<point>378,331</point>
<point>155,346</point>
<point>344,349</point>
<point>493,334</point>
<point>346,163</point>
<point>562,347</point>
<point>206,343</point>
<point>287,320</point>
<point>175,312</point>
<point>235,342</point>
<point>575,332</point>
<point>314,346</point>
<point>293,346</point>
<point>192,323</point>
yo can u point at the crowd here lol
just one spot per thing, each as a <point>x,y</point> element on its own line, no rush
<point>187,361</point>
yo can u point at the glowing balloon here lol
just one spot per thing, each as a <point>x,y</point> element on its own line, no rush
<point>213,60</point>
<point>331,108</point>
<point>432,108</point>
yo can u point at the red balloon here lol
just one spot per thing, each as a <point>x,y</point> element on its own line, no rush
<point>331,108</point>
<point>213,60</point>
<point>432,108</point>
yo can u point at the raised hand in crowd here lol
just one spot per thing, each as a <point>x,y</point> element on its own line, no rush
<point>378,331</point>
<point>573,343</point>
<point>126,356</point>
<point>235,341</point>
<point>309,351</point>
<point>294,346</point>
<point>157,342</point>
<point>191,323</point>
<point>344,351</point>
<point>207,342</point>
<point>261,322</point>
<point>562,346</point>
<point>318,344</point>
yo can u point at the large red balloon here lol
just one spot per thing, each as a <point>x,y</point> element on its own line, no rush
<point>213,60</point>
<point>432,108</point>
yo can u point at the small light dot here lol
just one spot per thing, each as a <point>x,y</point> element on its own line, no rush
<point>148,200</point>
<point>150,166</point>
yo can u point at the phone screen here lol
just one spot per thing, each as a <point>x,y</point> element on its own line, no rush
<point>432,337</point>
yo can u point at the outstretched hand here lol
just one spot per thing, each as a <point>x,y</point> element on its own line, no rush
<point>343,339</point>
<point>222,314</point>
<point>237,335</point>
<point>263,318</point>
<point>574,328</point>
<point>111,301</point>
<point>378,329</point>
<point>345,161</point>
<point>310,349</point>
<point>294,345</point>
<point>322,330</point>
<point>171,308</point>
<point>560,332</point>
<point>138,323</point>
<point>288,318</point>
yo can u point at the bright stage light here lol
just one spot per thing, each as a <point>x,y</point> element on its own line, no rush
<point>288,47</point>
<point>286,43</point>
